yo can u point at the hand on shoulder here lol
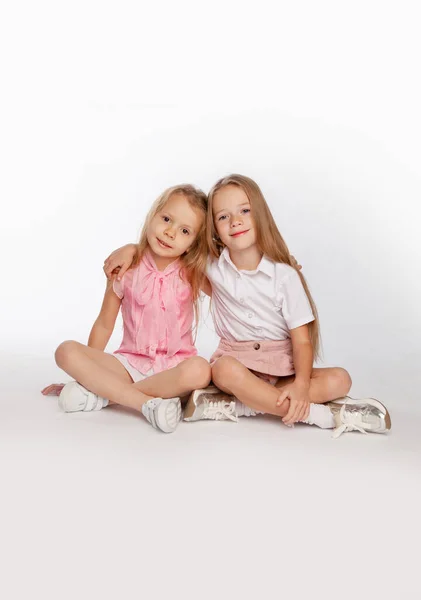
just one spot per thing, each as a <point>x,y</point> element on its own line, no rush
<point>295,263</point>
<point>119,261</point>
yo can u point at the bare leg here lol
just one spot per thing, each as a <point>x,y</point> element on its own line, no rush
<point>234,378</point>
<point>100,373</point>
<point>191,374</point>
<point>104,375</point>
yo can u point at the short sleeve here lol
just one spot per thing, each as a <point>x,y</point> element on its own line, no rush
<point>296,308</point>
<point>118,287</point>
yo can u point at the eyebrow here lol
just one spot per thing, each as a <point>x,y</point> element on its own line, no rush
<point>172,217</point>
<point>238,206</point>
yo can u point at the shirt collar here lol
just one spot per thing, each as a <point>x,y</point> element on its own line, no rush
<point>265,266</point>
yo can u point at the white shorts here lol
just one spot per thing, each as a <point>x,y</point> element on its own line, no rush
<point>134,373</point>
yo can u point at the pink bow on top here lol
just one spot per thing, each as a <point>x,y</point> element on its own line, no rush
<point>157,326</point>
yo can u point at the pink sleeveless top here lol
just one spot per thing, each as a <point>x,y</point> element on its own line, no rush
<point>157,310</point>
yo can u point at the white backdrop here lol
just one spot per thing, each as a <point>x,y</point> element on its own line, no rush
<point>340,170</point>
<point>105,104</point>
<point>331,136</point>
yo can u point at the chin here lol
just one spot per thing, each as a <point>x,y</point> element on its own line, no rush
<point>242,247</point>
<point>241,242</point>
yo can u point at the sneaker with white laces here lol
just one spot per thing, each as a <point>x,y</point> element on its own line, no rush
<point>163,414</point>
<point>367,415</point>
<point>74,397</point>
<point>210,403</point>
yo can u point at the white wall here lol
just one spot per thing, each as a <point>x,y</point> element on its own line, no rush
<point>106,105</point>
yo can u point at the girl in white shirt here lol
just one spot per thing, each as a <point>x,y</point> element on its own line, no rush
<point>268,325</point>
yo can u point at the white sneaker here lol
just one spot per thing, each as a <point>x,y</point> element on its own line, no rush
<point>210,403</point>
<point>74,397</point>
<point>163,414</point>
<point>367,415</point>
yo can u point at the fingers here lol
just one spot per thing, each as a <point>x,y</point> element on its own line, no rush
<point>123,268</point>
<point>296,410</point>
<point>289,418</point>
<point>53,390</point>
<point>112,267</point>
<point>300,413</point>
<point>306,412</point>
<point>282,397</point>
<point>295,263</point>
<point>49,390</point>
<point>109,266</point>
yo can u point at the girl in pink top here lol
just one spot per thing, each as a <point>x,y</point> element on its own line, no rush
<point>268,324</point>
<point>157,296</point>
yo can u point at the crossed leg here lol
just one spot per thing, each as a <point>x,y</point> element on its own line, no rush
<point>234,378</point>
<point>104,375</point>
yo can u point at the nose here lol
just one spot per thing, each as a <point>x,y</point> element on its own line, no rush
<point>236,222</point>
<point>169,232</point>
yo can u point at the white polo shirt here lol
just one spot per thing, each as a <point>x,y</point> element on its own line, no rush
<point>264,304</point>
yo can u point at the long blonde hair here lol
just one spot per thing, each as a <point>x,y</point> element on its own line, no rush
<point>194,260</point>
<point>268,238</point>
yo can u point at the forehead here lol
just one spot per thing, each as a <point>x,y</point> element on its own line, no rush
<point>229,197</point>
<point>181,210</point>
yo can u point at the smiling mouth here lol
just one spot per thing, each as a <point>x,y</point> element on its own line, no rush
<point>239,233</point>
<point>163,244</point>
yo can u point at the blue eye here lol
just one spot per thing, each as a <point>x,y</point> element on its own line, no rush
<point>246,210</point>
<point>222,217</point>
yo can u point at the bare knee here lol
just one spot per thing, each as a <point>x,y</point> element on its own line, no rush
<point>226,370</point>
<point>195,373</point>
<point>341,380</point>
<point>64,352</point>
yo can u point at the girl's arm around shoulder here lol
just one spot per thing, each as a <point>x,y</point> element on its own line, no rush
<point>120,260</point>
<point>105,322</point>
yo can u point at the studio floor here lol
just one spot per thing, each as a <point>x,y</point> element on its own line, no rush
<point>100,505</point>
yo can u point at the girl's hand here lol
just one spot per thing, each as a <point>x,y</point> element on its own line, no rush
<point>299,402</point>
<point>119,261</point>
<point>295,263</point>
<point>53,390</point>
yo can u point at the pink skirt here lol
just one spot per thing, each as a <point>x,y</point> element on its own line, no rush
<point>273,358</point>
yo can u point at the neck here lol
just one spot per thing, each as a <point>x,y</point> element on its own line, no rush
<point>246,260</point>
<point>161,262</point>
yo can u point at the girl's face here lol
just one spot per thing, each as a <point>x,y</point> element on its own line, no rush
<point>233,220</point>
<point>173,229</point>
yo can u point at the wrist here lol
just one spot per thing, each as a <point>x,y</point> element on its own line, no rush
<point>302,382</point>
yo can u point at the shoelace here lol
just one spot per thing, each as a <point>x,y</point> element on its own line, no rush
<point>220,410</point>
<point>348,423</point>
